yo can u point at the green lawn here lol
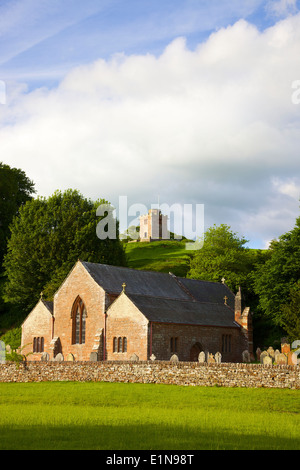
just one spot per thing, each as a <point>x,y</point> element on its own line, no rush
<point>118,416</point>
<point>162,256</point>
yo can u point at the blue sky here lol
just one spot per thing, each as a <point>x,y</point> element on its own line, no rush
<point>189,99</point>
<point>42,40</point>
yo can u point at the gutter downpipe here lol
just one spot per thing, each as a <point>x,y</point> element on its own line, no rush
<point>150,353</point>
<point>104,338</point>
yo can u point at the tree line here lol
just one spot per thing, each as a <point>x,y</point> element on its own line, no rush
<point>42,238</point>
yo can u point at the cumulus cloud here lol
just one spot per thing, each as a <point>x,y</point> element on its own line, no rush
<point>282,7</point>
<point>214,125</point>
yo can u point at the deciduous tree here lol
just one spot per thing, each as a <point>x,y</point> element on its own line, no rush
<point>47,238</point>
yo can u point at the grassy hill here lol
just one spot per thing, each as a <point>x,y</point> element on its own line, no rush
<point>162,256</point>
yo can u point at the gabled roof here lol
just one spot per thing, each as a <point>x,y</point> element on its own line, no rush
<point>207,291</point>
<point>49,305</point>
<point>111,278</point>
<point>187,312</point>
<point>158,285</point>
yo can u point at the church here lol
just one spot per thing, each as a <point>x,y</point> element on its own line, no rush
<point>110,313</point>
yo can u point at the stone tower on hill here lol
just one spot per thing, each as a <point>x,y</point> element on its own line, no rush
<point>153,226</point>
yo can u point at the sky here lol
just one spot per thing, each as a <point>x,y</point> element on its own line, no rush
<point>185,102</point>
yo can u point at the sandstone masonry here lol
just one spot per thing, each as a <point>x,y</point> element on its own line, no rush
<point>160,372</point>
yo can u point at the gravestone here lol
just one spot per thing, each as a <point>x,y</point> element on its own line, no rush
<point>70,358</point>
<point>263,355</point>
<point>94,356</point>
<point>218,357</point>
<point>246,356</point>
<point>134,357</point>
<point>2,352</point>
<point>267,360</point>
<point>282,359</point>
<point>45,357</point>
<point>258,353</point>
<point>174,358</point>
<point>277,353</point>
<point>271,352</point>
<point>285,348</point>
<point>292,358</point>
<point>201,357</point>
<point>59,357</point>
<point>211,359</point>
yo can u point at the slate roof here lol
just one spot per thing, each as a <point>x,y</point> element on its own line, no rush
<point>49,305</point>
<point>184,311</point>
<point>111,278</point>
<point>206,291</point>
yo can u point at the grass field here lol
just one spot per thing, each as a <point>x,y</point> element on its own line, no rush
<point>118,416</point>
<point>162,256</point>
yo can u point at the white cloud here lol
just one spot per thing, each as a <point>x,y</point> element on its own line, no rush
<point>290,187</point>
<point>282,7</point>
<point>215,125</point>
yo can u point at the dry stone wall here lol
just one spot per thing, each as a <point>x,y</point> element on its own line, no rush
<point>176,373</point>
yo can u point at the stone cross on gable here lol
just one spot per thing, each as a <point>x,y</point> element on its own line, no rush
<point>123,285</point>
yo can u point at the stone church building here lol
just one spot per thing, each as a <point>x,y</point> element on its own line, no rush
<point>104,312</point>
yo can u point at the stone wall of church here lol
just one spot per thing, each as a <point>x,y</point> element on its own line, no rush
<point>39,324</point>
<point>79,283</point>
<point>184,340</point>
<point>178,373</point>
<point>126,331</point>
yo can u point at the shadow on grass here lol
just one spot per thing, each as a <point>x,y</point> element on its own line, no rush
<point>139,437</point>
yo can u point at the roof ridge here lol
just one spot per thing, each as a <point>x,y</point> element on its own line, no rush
<point>179,283</point>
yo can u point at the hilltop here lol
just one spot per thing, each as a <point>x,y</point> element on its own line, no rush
<point>163,256</point>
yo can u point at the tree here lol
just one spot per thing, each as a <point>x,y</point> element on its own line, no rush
<point>223,255</point>
<point>291,314</point>
<point>15,190</point>
<point>47,238</point>
<point>275,279</point>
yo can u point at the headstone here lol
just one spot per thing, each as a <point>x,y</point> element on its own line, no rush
<point>218,357</point>
<point>263,355</point>
<point>271,352</point>
<point>246,356</point>
<point>152,357</point>
<point>258,353</point>
<point>267,360</point>
<point>2,352</point>
<point>70,357</point>
<point>292,359</point>
<point>45,357</point>
<point>59,357</point>
<point>174,358</point>
<point>282,359</point>
<point>277,353</point>
<point>285,348</point>
<point>211,359</point>
<point>93,356</point>
<point>201,357</point>
<point>134,357</point>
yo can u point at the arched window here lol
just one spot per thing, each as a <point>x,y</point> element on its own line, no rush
<point>79,316</point>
